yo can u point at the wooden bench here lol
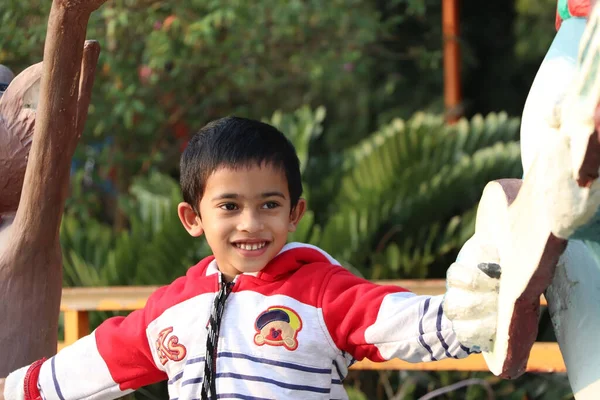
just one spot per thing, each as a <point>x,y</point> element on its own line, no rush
<point>78,302</point>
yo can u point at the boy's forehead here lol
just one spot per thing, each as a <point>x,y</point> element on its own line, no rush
<point>247,179</point>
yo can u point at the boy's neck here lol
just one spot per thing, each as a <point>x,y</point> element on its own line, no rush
<point>227,278</point>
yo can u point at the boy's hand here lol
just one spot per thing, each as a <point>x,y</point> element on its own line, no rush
<point>471,300</point>
<point>1,388</point>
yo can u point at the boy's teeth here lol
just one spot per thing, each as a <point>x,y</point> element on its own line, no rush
<point>251,246</point>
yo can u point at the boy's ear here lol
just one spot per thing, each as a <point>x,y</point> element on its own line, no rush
<point>296,215</point>
<point>190,220</point>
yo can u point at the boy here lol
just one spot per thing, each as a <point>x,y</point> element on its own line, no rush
<point>260,318</point>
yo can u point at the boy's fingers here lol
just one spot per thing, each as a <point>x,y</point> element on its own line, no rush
<point>483,278</point>
<point>476,332</point>
<point>464,304</point>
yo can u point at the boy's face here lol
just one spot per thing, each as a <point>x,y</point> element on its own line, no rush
<point>245,215</point>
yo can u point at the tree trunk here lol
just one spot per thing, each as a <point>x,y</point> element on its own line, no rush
<point>30,256</point>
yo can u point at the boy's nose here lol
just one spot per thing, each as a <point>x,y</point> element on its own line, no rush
<point>250,222</point>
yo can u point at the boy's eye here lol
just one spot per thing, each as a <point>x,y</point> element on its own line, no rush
<point>271,205</point>
<point>228,206</point>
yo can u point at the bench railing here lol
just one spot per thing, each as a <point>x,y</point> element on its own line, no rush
<point>78,302</point>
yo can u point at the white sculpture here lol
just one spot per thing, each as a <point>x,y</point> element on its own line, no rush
<point>542,230</point>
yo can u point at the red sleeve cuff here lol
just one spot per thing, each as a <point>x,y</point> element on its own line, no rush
<point>31,381</point>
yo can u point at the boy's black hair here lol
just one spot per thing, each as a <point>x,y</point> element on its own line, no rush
<point>236,142</point>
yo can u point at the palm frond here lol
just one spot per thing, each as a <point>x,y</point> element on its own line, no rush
<point>417,177</point>
<point>301,128</point>
<point>154,250</point>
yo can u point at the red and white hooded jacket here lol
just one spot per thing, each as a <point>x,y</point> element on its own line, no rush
<point>289,331</point>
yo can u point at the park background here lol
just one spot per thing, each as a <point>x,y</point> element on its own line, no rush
<point>357,85</point>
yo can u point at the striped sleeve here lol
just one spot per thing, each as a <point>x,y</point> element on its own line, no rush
<point>112,361</point>
<point>384,322</point>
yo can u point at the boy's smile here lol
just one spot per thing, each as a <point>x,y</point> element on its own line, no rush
<point>245,214</point>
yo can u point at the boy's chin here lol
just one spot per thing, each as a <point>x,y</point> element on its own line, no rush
<point>252,268</point>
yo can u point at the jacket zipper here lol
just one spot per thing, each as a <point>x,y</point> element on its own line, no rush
<point>212,339</point>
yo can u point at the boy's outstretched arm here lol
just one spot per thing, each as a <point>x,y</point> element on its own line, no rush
<point>112,361</point>
<point>385,322</point>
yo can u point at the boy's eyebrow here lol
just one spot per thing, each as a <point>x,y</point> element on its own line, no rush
<point>225,196</point>
<point>273,194</point>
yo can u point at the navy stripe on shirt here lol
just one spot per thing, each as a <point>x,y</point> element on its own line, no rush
<point>192,381</point>
<point>233,396</point>
<point>255,359</point>
<point>56,385</point>
<point>284,385</point>
<point>438,326</point>
<point>180,374</point>
<point>276,363</point>
<point>339,371</point>
<point>238,396</point>
<point>421,332</point>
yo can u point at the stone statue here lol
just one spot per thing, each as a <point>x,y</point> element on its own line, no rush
<point>42,115</point>
<point>544,230</point>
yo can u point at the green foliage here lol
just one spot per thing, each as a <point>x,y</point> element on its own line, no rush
<point>354,394</point>
<point>406,194</point>
<point>404,198</point>
<point>534,28</point>
<point>155,249</point>
<point>167,68</point>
